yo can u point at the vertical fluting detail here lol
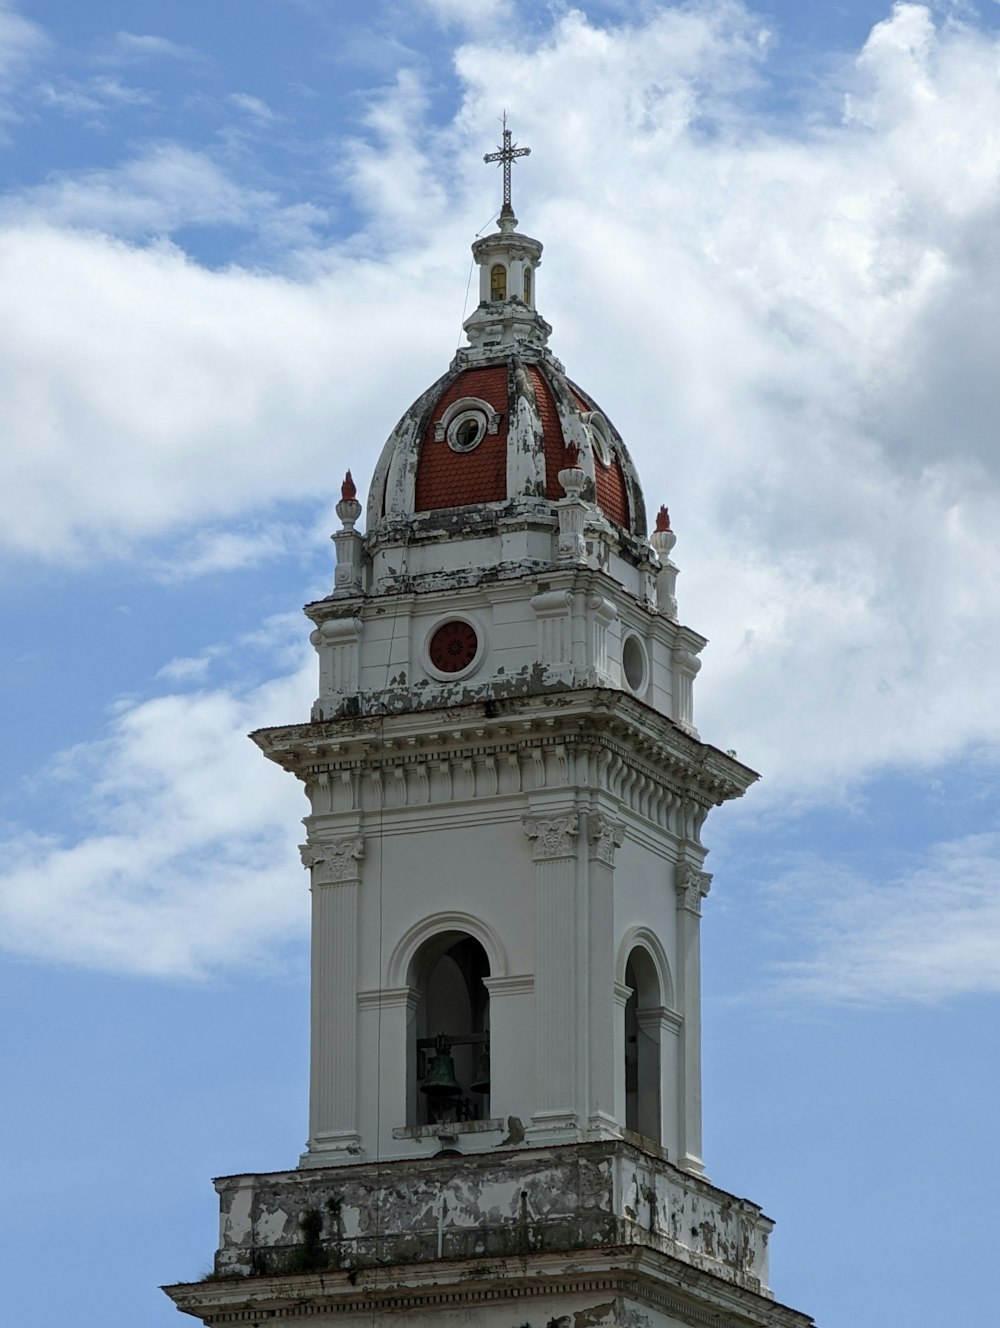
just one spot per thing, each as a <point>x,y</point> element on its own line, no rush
<point>336,872</point>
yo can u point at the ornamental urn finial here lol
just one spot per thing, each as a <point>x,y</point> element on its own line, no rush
<point>348,509</point>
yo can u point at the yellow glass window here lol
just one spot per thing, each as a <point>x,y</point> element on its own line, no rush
<point>527,285</point>
<point>498,282</point>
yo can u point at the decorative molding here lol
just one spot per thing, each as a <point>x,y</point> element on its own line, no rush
<point>389,998</point>
<point>692,886</point>
<point>398,967</point>
<point>553,835</point>
<point>421,778</point>
<point>464,406</point>
<point>645,939</point>
<point>653,770</point>
<point>605,836</point>
<point>518,984</point>
<point>659,1017</point>
<point>492,1125</point>
<point>335,863</point>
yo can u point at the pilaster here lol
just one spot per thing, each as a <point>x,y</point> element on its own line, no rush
<point>385,1071</point>
<point>335,870</point>
<point>604,836</point>
<point>512,1067</point>
<point>554,835</point>
<point>691,884</point>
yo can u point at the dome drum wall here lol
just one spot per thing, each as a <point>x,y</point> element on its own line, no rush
<point>542,635</point>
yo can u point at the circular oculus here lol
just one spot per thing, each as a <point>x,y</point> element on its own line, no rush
<point>453,646</point>
<point>466,431</point>
<point>598,433</point>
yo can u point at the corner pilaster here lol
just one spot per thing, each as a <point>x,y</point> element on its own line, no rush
<point>335,870</point>
<point>604,836</point>
<point>554,835</point>
<point>692,885</point>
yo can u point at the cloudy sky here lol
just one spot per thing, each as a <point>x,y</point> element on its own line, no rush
<point>234,246</point>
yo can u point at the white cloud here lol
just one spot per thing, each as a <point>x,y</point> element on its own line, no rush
<point>254,107</point>
<point>185,669</point>
<point>92,97</point>
<point>931,932</point>
<point>229,551</point>
<point>20,41</point>
<point>144,393</point>
<point>483,16</point>
<point>129,47</point>
<point>184,862</point>
<point>168,186</point>
<point>795,324</point>
<point>21,44</point>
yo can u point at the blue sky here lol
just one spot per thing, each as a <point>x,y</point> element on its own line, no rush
<point>233,248</point>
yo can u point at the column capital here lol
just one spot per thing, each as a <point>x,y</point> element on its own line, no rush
<point>605,836</point>
<point>692,885</point>
<point>336,862</point>
<point>553,835</point>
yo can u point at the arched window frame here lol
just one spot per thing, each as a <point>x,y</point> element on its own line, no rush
<point>648,1015</point>
<point>409,967</point>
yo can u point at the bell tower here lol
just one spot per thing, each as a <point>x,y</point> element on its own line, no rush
<point>506,796</point>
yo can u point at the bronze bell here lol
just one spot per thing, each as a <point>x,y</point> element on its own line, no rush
<point>481,1083</point>
<point>440,1079</point>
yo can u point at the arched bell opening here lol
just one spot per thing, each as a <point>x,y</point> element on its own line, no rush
<point>449,1061</point>
<point>643,1021</point>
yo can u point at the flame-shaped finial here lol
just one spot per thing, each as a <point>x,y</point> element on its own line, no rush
<point>662,519</point>
<point>348,489</point>
<point>571,457</point>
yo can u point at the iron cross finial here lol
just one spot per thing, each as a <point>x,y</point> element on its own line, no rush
<point>506,155</point>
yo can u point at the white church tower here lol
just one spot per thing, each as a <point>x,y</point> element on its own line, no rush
<point>507,792</point>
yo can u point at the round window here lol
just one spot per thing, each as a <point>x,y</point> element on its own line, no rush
<point>453,646</point>
<point>634,663</point>
<point>466,431</point>
<point>600,438</point>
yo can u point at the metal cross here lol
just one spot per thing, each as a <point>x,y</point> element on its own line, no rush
<point>506,154</point>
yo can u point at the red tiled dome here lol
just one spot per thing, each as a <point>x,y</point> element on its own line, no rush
<point>496,432</point>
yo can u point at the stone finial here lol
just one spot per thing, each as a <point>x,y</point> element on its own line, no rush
<point>571,457</point>
<point>663,540</point>
<point>348,509</point>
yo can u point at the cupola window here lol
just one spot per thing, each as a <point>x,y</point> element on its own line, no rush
<point>466,431</point>
<point>498,282</point>
<point>527,285</point>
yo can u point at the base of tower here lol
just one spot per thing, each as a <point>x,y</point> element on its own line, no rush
<point>576,1235</point>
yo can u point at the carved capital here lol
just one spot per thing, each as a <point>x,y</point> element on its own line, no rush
<point>553,835</point>
<point>686,660</point>
<point>334,863</point>
<point>605,836</point>
<point>692,886</point>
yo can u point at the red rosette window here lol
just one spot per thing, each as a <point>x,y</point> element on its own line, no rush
<point>453,647</point>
